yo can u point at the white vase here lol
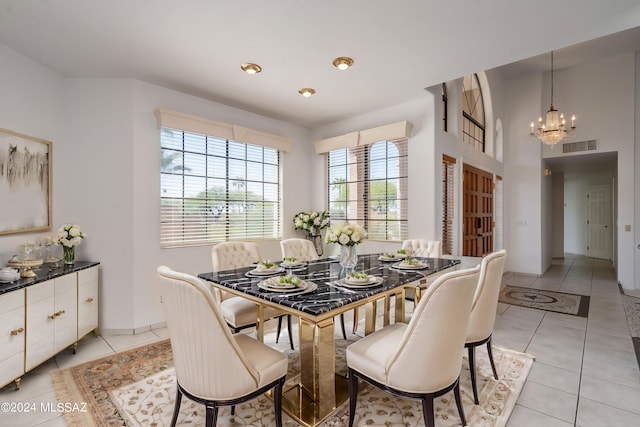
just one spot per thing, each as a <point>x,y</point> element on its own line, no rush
<point>348,256</point>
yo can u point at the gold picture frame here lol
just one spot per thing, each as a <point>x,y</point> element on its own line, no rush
<point>25,183</point>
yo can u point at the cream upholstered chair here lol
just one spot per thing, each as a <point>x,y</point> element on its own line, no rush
<point>239,312</point>
<point>214,367</point>
<point>483,312</point>
<point>303,250</point>
<point>422,359</point>
<point>423,248</point>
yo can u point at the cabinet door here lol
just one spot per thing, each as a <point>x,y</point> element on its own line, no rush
<point>12,336</point>
<point>66,309</point>
<point>87,301</point>
<point>40,323</point>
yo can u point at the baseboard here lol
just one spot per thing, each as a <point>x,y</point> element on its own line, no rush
<point>136,331</point>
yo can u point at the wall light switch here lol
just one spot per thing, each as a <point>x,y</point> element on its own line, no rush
<point>627,227</point>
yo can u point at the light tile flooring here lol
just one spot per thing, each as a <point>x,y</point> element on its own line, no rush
<point>585,374</point>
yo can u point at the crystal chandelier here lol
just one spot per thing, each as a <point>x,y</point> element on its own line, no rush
<point>553,130</point>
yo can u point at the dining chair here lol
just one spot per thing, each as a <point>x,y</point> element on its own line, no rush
<point>483,312</point>
<point>239,312</point>
<point>421,359</point>
<point>305,250</point>
<point>214,367</point>
<point>423,248</point>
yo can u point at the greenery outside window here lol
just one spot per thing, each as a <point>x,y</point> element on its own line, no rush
<point>215,189</point>
<point>368,184</point>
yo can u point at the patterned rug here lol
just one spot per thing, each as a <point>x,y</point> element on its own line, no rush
<point>632,309</point>
<point>559,302</point>
<point>137,388</point>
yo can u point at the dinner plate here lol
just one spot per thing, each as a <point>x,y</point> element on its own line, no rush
<point>386,258</point>
<point>373,281</point>
<point>255,272</point>
<point>420,266</point>
<point>265,285</point>
<point>295,264</point>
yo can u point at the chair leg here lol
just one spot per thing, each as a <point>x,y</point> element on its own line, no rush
<point>490,352</point>
<point>355,321</point>
<point>472,371</point>
<point>427,410</point>
<point>456,394</point>
<point>344,333</point>
<point>290,331</point>
<point>353,396</point>
<point>277,402</point>
<point>233,409</point>
<point>279,329</point>
<point>211,416</point>
<point>176,407</point>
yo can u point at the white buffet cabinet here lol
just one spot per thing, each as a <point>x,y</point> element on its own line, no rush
<point>43,316</point>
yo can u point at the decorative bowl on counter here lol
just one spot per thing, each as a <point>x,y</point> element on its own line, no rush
<point>8,274</point>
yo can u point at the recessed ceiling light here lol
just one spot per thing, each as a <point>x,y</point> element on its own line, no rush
<point>342,63</point>
<point>250,68</point>
<point>307,92</point>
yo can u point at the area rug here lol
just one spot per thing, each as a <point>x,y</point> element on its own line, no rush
<point>137,388</point>
<point>559,302</point>
<point>632,310</point>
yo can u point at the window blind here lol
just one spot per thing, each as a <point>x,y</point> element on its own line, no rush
<point>368,185</point>
<point>215,189</point>
<point>448,171</point>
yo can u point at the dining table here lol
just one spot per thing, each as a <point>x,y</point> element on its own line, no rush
<point>324,289</point>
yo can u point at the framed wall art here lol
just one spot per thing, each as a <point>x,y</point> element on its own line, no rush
<point>25,183</point>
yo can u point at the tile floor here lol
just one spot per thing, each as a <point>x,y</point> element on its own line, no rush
<point>585,374</point>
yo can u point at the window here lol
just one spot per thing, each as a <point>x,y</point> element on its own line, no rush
<point>368,185</point>
<point>472,113</point>
<point>445,107</point>
<point>215,189</point>
<point>448,166</point>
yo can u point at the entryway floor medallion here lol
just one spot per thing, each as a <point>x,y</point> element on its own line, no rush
<point>559,302</point>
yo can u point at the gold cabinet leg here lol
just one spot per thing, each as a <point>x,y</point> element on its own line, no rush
<point>17,383</point>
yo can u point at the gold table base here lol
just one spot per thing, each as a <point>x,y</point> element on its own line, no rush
<point>301,407</point>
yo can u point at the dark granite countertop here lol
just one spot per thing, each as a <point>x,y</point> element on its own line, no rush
<point>324,273</point>
<point>46,272</point>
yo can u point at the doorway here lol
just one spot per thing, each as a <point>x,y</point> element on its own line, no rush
<point>477,212</point>
<point>599,221</point>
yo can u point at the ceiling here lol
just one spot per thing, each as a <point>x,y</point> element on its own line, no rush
<point>399,47</point>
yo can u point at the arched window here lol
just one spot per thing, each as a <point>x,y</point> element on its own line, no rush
<point>473,123</point>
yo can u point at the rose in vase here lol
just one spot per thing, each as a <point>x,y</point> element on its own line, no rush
<point>69,236</point>
<point>312,222</point>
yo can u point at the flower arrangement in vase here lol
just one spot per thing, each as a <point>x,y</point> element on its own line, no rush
<point>312,222</point>
<point>347,235</point>
<point>69,236</point>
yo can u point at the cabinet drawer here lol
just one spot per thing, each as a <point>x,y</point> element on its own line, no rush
<point>11,301</point>
<point>66,283</point>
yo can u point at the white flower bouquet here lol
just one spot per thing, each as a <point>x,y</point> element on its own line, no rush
<point>346,234</point>
<point>312,222</point>
<point>69,235</point>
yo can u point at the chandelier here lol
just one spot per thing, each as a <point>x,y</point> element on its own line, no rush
<point>553,130</point>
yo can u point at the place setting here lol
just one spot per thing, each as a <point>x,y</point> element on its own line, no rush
<point>391,256</point>
<point>287,285</point>
<point>359,280</point>
<point>293,264</point>
<point>409,263</point>
<point>265,268</point>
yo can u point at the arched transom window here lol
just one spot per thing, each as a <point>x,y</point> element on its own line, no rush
<point>472,113</point>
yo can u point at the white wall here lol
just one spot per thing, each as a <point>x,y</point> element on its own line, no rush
<point>30,105</point>
<point>602,96</point>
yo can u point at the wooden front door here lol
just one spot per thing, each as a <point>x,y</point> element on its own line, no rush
<point>477,212</point>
